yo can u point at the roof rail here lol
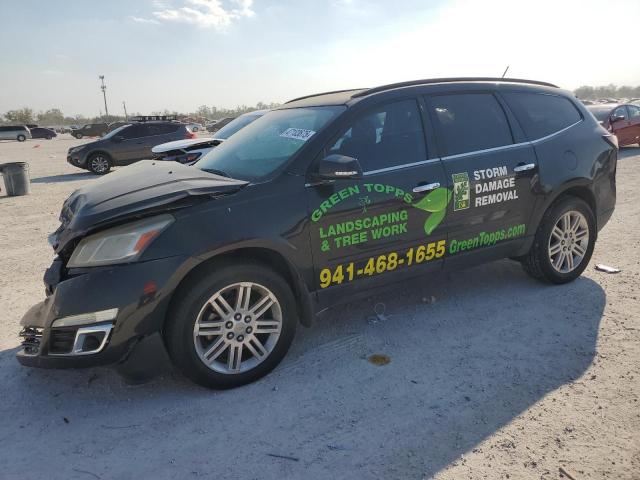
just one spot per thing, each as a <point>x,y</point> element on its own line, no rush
<point>153,118</point>
<point>449,80</point>
<point>323,93</point>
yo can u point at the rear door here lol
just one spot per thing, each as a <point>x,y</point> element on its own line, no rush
<point>389,223</point>
<point>488,173</point>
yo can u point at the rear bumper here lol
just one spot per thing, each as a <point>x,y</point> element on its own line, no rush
<point>140,291</point>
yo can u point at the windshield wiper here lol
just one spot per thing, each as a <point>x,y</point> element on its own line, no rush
<point>216,172</point>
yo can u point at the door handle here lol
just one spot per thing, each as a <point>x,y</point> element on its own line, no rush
<point>425,188</point>
<point>524,167</point>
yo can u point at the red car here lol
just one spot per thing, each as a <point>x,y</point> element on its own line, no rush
<point>623,120</point>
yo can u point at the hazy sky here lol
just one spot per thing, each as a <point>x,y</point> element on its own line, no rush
<point>179,54</point>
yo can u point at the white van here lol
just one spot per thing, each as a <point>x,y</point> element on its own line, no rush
<point>15,132</point>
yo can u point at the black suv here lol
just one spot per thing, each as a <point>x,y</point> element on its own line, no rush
<point>321,200</point>
<point>125,145</point>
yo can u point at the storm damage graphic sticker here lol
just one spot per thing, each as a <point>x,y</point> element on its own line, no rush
<point>461,191</point>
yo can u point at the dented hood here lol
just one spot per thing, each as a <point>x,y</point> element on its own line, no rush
<point>143,188</point>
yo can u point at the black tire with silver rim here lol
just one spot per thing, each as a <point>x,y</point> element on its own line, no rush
<point>21,138</point>
<point>232,326</point>
<point>99,163</point>
<point>563,243</point>
<point>77,135</point>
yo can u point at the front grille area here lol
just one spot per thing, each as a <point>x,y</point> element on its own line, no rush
<point>31,339</point>
<point>61,340</point>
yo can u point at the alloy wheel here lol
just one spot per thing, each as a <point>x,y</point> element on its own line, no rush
<point>99,164</point>
<point>237,328</point>
<point>569,241</point>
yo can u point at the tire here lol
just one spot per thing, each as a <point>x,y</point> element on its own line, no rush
<point>547,259</point>
<point>99,163</point>
<point>77,135</point>
<point>48,137</point>
<point>189,346</point>
<point>21,138</point>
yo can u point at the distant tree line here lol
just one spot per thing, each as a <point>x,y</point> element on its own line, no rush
<point>607,91</point>
<point>55,117</point>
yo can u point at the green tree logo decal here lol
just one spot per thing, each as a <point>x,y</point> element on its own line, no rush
<point>436,204</point>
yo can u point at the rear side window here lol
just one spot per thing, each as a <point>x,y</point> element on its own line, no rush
<point>470,122</point>
<point>542,114</point>
<point>386,136</point>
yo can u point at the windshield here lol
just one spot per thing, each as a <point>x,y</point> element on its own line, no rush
<point>115,131</point>
<point>268,143</point>
<point>235,125</point>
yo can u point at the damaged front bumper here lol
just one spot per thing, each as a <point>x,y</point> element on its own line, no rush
<point>98,316</point>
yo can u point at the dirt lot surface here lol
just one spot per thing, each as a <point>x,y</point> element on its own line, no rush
<point>492,375</point>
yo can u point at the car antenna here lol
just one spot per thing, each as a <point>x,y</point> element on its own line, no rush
<point>505,71</point>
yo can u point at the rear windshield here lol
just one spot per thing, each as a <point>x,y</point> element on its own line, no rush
<point>542,114</point>
<point>268,143</point>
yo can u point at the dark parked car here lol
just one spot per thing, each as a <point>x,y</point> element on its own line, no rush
<point>322,200</point>
<point>41,132</point>
<point>622,120</point>
<point>91,130</point>
<point>125,145</point>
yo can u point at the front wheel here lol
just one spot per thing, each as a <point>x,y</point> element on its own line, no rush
<point>231,327</point>
<point>564,242</point>
<point>78,135</point>
<point>48,137</point>
<point>21,138</point>
<point>99,163</point>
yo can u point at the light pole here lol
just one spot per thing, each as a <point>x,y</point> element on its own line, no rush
<point>103,87</point>
<point>126,117</point>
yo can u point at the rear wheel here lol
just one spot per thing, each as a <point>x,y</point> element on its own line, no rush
<point>563,243</point>
<point>21,138</point>
<point>99,163</point>
<point>232,327</point>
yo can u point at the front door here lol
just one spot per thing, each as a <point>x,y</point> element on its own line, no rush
<point>489,175</point>
<point>376,229</point>
<point>622,128</point>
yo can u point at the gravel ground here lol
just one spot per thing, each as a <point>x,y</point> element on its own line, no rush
<point>492,375</point>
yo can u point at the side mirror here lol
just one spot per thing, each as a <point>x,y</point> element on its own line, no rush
<point>616,118</point>
<point>118,138</point>
<point>338,167</point>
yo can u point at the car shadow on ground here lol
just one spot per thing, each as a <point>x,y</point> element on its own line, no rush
<point>469,352</point>
<point>67,177</point>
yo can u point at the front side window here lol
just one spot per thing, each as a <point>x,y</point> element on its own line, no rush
<point>620,112</point>
<point>470,122</point>
<point>542,114</point>
<point>386,136</point>
<point>265,145</point>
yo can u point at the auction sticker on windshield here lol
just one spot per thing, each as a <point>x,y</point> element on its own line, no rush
<point>298,134</point>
